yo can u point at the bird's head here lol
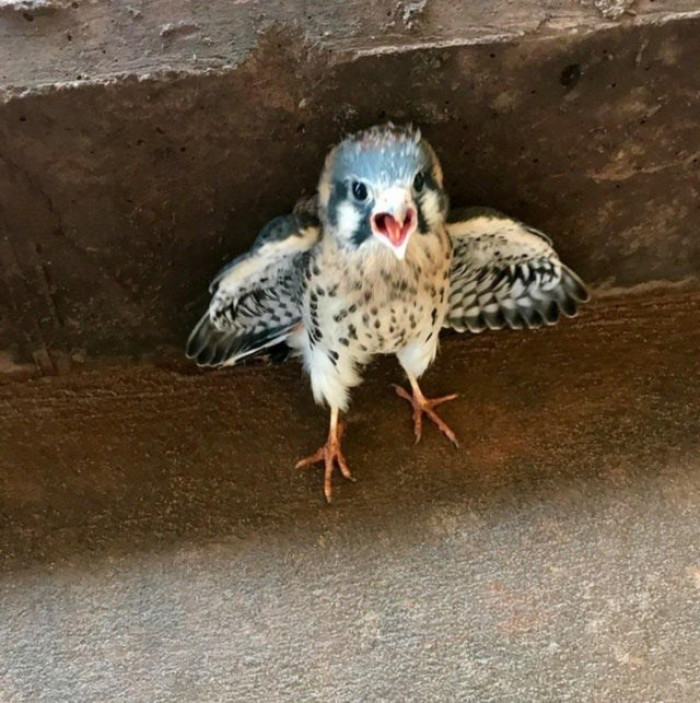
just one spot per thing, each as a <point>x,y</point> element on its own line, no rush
<point>380,187</point>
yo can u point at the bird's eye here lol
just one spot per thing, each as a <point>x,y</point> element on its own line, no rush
<point>418,182</point>
<point>359,190</point>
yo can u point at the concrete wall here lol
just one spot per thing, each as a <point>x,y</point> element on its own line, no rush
<point>142,145</point>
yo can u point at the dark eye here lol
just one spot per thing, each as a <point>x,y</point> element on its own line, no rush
<point>418,182</point>
<point>359,190</point>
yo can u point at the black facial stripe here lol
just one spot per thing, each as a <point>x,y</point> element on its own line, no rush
<point>431,185</point>
<point>341,194</point>
<point>444,202</point>
<point>363,231</point>
<point>423,226</point>
<point>422,222</point>
<point>430,182</point>
<point>338,195</point>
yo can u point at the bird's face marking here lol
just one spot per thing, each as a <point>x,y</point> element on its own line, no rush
<point>380,187</point>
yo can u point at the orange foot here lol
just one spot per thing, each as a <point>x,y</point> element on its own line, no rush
<point>421,405</point>
<point>329,453</point>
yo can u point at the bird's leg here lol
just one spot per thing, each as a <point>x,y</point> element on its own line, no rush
<point>421,405</point>
<point>329,453</point>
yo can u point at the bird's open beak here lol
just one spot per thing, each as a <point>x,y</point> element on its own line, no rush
<point>395,219</point>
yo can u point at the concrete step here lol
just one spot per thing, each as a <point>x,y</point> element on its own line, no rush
<point>156,544</point>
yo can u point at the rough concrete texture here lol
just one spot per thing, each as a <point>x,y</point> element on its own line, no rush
<point>157,545</point>
<point>118,200</point>
<point>77,42</point>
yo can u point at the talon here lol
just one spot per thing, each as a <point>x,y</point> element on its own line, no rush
<point>422,405</point>
<point>330,454</point>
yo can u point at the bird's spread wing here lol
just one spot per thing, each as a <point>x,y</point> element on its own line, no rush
<point>257,297</point>
<point>506,274</point>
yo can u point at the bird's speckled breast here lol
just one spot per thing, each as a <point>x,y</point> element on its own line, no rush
<point>371,303</point>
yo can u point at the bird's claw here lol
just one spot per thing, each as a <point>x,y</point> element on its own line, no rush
<point>330,454</point>
<point>422,405</point>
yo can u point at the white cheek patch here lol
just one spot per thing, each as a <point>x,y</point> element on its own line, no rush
<point>348,219</point>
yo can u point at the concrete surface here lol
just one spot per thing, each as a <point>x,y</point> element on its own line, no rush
<point>122,192</point>
<point>156,544</point>
<point>47,44</point>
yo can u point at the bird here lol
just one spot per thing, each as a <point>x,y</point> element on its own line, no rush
<point>375,264</point>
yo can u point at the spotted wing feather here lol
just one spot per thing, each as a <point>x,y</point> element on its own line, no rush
<point>256,299</point>
<point>506,274</point>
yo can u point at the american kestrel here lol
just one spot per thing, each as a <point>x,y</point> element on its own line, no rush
<point>377,267</point>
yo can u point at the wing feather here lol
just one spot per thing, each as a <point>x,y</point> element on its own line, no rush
<point>506,274</point>
<point>256,298</point>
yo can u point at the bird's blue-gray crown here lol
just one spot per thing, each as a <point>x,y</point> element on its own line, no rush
<point>381,185</point>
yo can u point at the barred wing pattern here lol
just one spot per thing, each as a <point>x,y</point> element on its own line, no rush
<point>506,274</point>
<point>256,299</point>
